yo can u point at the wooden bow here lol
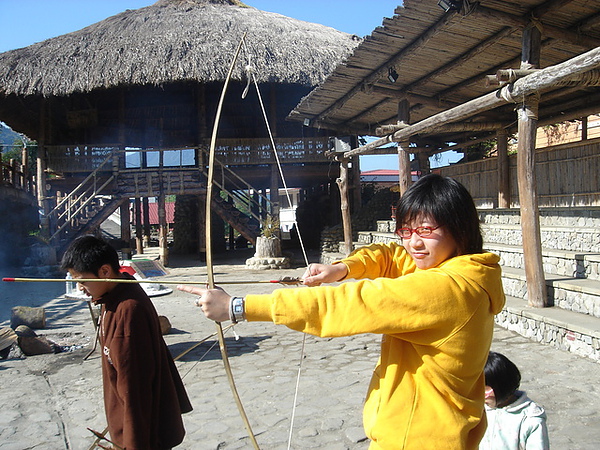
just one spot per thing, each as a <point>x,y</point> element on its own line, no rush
<point>209,264</point>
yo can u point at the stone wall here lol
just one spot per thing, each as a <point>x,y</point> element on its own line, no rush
<point>550,330</point>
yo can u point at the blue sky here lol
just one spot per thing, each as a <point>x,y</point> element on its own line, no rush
<point>25,22</point>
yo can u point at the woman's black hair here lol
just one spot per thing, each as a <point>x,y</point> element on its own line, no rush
<point>502,376</point>
<point>87,254</point>
<point>449,204</point>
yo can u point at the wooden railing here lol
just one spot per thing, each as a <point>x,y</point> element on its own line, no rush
<point>104,165</point>
<point>15,174</point>
<point>71,209</point>
<point>230,152</point>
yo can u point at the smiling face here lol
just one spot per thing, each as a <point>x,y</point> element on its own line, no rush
<point>430,251</point>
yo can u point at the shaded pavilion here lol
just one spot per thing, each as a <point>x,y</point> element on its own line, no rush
<point>450,74</point>
<point>150,80</point>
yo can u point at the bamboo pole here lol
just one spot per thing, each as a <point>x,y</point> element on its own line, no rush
<point>284,280</point>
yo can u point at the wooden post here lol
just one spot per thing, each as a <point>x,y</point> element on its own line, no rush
<point>139,241</point>
<point>342,183</point>
<point>503,170</point>
<point>125,229</point>
<point>24,168</point>
<point>527,126</point>
<point>356,187</point>
<point>423,158</point>
<point>404,172</point>
<point>122,124</point>
<point>146,220</point>
<point>41,172</point>
<point>163,227</point>
<point>274,196</point>
<point>202,226</point>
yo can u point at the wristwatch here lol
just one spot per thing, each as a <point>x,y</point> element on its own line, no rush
<point>236,312</point>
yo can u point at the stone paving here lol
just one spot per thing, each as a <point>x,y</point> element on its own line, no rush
<point>49,401</point>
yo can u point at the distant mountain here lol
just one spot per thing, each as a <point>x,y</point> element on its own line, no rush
<point>8,137</point>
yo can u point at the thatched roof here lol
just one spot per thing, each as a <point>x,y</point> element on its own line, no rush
<point>442,60</point>
<point>175,40</point>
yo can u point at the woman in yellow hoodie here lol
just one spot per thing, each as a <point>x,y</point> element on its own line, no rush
<point>433,299</point>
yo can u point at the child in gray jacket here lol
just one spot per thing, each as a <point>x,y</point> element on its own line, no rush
<point>514,420</point>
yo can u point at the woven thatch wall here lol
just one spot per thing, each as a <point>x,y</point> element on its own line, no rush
<point>175,40</point>
<point>558,184</point>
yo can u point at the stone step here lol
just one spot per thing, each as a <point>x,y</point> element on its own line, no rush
<point>559,262</point>
<point>578,295</point>
<point>566,330</point>
<point>569,238</point>
<point>571,217</point>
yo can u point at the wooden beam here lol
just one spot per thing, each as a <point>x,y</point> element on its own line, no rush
<point>384,130</point>
<point>462,59</point>
<point>381,71</point>
<point>549,7</point>
<point>413,98</point>
<point>513,93</point>
<point>523,21</point>
<point>538,12</point>
<point>581,27</point>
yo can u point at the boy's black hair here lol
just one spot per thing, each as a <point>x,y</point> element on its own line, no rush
<point>502,375</point>
<point>449,204</point>
<point>88,254</point>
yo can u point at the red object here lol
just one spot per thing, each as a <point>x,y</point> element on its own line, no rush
<point>128,269</point>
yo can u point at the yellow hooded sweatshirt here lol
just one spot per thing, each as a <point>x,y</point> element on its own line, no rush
<point>427,391</point>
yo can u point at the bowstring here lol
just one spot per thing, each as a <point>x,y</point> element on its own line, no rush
<point>251,76</point>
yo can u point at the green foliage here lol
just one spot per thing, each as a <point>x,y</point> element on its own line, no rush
<point>270,227</point>
<point>480,150</point>
<point>14,151</point>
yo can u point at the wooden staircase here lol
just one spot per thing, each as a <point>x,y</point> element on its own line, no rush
<point>571,258</point>
<point>105,189</point>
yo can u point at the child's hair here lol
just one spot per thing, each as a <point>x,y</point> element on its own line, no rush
<point>88,254</point>
<point>449,204</point>
<point>502,376</point>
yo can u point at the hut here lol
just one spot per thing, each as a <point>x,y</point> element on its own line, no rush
<point>129,103</point>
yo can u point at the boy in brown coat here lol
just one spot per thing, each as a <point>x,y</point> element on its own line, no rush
<point>144,396</point>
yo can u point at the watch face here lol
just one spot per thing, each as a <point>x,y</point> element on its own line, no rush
<point>238,308</point>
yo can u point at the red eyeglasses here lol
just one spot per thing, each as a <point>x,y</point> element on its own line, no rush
<point>406,233</point>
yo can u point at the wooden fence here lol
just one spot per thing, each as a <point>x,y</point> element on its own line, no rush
<point>567,175</point>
